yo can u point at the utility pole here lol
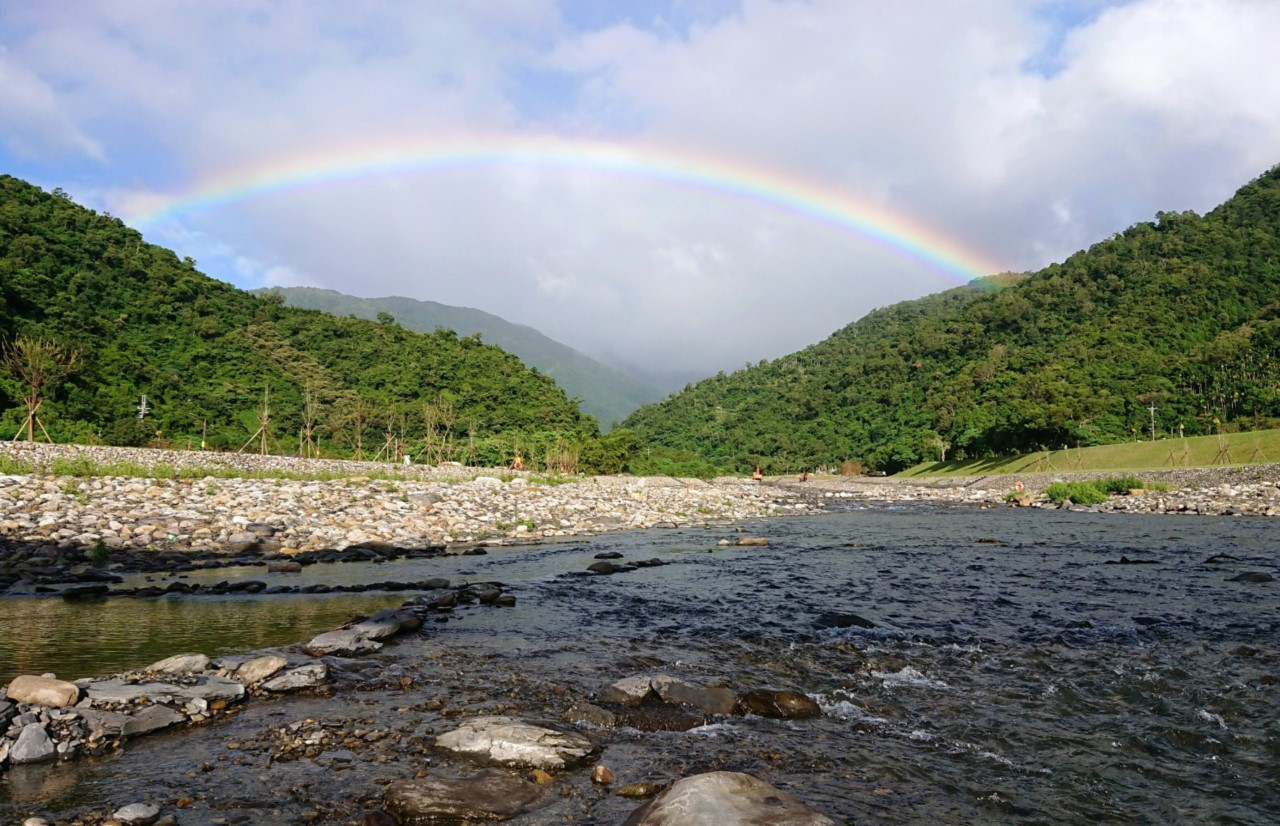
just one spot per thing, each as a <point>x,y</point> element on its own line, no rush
<point>1152,408</point>
<point>143,410</point>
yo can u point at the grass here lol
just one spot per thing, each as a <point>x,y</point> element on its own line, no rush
<point>82,467</point>
<point>1255,447</point>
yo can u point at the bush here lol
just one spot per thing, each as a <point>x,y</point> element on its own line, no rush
<point>1080,493</point>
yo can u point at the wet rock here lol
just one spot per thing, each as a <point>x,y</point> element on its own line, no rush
<point>489,796</point>
<point>752,542</point>
<point>629,691</point>
<point>42,691</point>
<point>639,791</point>
<point>725,799</point>
<point>152,718</point>
<point>784,705</point>
<point>88,591</point>
<point>1252,576</point>
<point>311,675</point>
<point>593,714</point>
<point>511,742</point>
<point>33,746</point>
<point>711,700</point>
<point>834,619</point>
<point>601,775</point>
<point>141,814</point>
<point>102,723</point>
<point>287,566</point>
<point>609,555</point>
<point>259,669</point>
<point>181,664</point>
<point>605,568</point>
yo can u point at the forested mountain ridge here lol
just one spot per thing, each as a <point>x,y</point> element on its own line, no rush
<point>1182,313</point>
<point>202,351</point>
<point>605,393</point>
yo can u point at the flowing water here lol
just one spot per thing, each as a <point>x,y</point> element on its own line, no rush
<point>1014,674</point>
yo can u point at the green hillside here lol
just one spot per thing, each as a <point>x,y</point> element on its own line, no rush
<point>144,321</point>
<point>1181,313</point>
<point>605,393</point>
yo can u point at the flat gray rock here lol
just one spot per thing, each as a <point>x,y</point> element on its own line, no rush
<point>631,691</point>
<point>348,642</point>
<point>511,742</point>
<point>489,796</point>
<point>152,718</point>
<point>296,679</point>
<point>209,688</point>
<point>725,799</point>
<point>33,746</point>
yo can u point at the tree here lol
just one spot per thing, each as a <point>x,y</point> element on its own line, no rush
<point>39,363</point>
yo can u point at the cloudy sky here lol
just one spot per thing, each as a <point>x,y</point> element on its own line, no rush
<point>681,186</point>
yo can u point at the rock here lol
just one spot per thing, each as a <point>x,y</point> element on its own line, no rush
<point>35,821</point>
<point>1026,500</point>
<point>710,700</point>
<point>609,555</point>
<point>605,568</point>
<point>349,642</point>
<point>1252,576</point>
<point>33,746</point>
<point>753,542</point>
<point>152,718</point>
<point>588,713</point>
<point>785,705</point>
<point>489,796</point>
<point>510,742</point>
<point>102,723</point>
<point>208,688</point>
<point>43,691</point>
<point>601,775</point>
<point>139,813</point>
<point>725,799</point>
<point>285,566</point>
<point>833,619</point>
<point>181,664</point>
<point>259,669</point>
<point>630,691</point>
<point>296,679</point>
<point>639,790</point>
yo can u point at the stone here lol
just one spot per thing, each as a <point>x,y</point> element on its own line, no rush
<point>181,664</point>
<point>753,542</point>
<point>151,718</point>
<point>1252,576</point>
<point>386,624</point>
<point>601,775</point>
<point>33,746</point>
<point>208,688</point>
<point>296,679</point>
<point>259,669</point>
<point>511,742</point>
<point>833,619</point>
<point>348,642</point>
<point>142,814</point>
<point>43,691</point>
<point>630,691</point>
<point>784,705</point>
<point>710,700</point>
<point>725,799</point>
<point>485,797</point>
<point>286,566</point>
<point>103,723</point>
<point>588,713</point>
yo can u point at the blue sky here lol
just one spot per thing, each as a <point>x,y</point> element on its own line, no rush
<point>1018,131</point>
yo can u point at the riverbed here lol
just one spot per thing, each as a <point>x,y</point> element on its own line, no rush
<point>1023,666</point>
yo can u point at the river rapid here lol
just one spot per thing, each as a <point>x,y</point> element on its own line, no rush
<point>1016,673</point>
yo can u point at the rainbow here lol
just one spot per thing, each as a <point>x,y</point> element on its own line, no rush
<point>728,178</point>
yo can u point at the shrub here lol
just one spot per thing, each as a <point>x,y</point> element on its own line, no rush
<point>1080,493</point>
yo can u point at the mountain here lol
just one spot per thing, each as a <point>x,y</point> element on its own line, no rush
<point>605,393</point>
<point>1176,319</point>
<point>205,353</point>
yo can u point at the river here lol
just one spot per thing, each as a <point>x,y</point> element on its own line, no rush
<point>1014,673</point>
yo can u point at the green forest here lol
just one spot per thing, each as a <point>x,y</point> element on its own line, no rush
<point>122,318</point>
<point>1181,314</point>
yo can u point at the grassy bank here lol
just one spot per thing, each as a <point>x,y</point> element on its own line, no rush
<point>1256,447</point>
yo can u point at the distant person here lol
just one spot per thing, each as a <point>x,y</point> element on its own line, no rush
<point>757,475</point>
<point>518,464</point>
<point>804,476</point>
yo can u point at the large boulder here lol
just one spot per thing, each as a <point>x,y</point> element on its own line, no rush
<point>725,799</point>
<point>43,691</point>
<point>511,742</point>
<point>785,705</point>
<point>346,642</point>
<point>489,796</point>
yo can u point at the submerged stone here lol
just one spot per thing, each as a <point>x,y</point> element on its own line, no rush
<point>725,799</point>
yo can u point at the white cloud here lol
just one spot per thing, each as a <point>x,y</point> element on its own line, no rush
<point>985,121</point>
